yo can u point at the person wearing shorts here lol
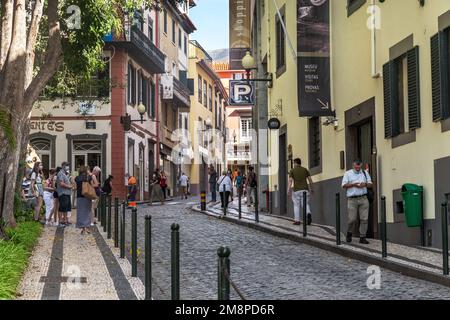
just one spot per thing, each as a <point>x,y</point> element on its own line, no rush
<point>64,189</point>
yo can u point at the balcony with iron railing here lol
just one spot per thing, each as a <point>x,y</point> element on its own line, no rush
<point>141,48</point>
<point>181,95</point>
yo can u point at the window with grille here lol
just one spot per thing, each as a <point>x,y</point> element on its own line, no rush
<point>246,129</point>
<point>314,143</point>
<point>40,144</point>
<point>87,145</point>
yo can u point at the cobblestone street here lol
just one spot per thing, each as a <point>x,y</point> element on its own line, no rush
<point>262,266</point>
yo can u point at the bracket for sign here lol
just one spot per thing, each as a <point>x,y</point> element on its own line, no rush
<point>277,110</point>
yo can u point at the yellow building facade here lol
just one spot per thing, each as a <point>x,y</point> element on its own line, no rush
<point>390,100</point>
<point>207,118</point>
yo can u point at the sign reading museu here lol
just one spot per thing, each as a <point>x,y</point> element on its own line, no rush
<point>47,126</point>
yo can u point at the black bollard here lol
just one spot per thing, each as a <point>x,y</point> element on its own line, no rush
<point>240,203</point>
<point>338,219</point>
<point>223,284</point>
<point>104,208</point>
<point>256,206</point>
<point>148,258</point>
<point>175,261</point>
<point>225,200</point>
<point>100,210</point>
<point>122,231</point>
<point>116,222</point>
<point>203,200</point>
<point>444,218</point>
<point>109,216</point>
<point>383,228</point>
<point>305,231</point>
<point>134,242</point>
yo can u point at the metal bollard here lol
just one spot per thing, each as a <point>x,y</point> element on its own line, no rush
<point>175,261</point>
<point>134,242</point>
<point>383,228</point>
<point>109,225</point>
<point>203,200</point>
<point>256,206</point>
<point>305,231</point>
<point>444,218</point>
<point>105,203</point>
<point>122,231</point>
<point>116,222</point>
<point>148,258</point>
<point>240,203</point>
<point>100,210</point>
<point>223,284</point>
<point>338,219</point>
<point>225,201</point>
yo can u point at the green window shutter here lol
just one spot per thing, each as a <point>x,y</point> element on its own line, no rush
<point>391,127</point>
<point>413,88</point>
<point>439,76</point>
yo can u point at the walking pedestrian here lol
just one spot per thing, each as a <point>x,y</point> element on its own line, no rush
<point>251,184</point>
<point>55,199</point>
<point>156,188</point>
<point>213,183</point>
<point>132,189</point>
<point>95,176</point>
<point>48,197</point>
<point>64,189</point>
<point>37,179</point>
<point>163,183</point>
<point>184,185</point>
<point>225,186</point>
<point>357,182</point>
<point>239,183</point>
<point>300,182</point>
<point>84,205</point>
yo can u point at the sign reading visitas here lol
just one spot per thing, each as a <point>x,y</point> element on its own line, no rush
<point>313,46</point>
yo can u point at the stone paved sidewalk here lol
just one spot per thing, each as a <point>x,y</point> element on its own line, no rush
<point>416,261</point>
<point>66,265</point>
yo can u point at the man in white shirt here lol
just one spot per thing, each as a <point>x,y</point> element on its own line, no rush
<point>183,184</point>
<point>356,182</point>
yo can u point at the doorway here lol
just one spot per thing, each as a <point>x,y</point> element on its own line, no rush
<point>282,174</point>
<point>87,153</point>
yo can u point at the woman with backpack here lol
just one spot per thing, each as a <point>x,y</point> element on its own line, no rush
<point>84,205</point>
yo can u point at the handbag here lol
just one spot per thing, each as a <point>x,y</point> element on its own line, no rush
<point>88,191</point>
<point>370,192</point>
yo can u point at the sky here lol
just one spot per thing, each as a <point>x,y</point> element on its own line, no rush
<point>211,19</point>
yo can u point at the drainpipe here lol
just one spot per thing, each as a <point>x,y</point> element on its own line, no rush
<point>373,12</point>
<point>158,104</point>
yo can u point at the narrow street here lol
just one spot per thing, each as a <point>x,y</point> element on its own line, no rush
<point>262,266</point>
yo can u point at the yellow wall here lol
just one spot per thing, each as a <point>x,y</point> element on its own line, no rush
<point>353,84</point>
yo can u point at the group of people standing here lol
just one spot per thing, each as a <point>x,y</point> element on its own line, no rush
<point>228,181</point>
<point>57,192</point>
<point>158,187</point>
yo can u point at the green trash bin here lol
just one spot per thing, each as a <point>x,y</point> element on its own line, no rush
<point>413,204</point>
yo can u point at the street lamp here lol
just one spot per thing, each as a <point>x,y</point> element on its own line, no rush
<point>126,119</point>
<point>248,62</point>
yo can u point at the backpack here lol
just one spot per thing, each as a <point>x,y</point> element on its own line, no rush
<point>107,187</point>
<point>239,181</point>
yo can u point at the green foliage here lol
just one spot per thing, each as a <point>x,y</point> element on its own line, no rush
<point>5,125</point>
<point>22,212</point>
<point>14,256</point>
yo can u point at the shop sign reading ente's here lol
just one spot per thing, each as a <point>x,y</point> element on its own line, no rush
<point>47,126</point>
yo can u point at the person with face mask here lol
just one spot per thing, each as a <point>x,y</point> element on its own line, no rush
<point>64,189</point>
<point>37,178</point>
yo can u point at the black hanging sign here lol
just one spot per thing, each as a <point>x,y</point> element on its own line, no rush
<point>313,63</point>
